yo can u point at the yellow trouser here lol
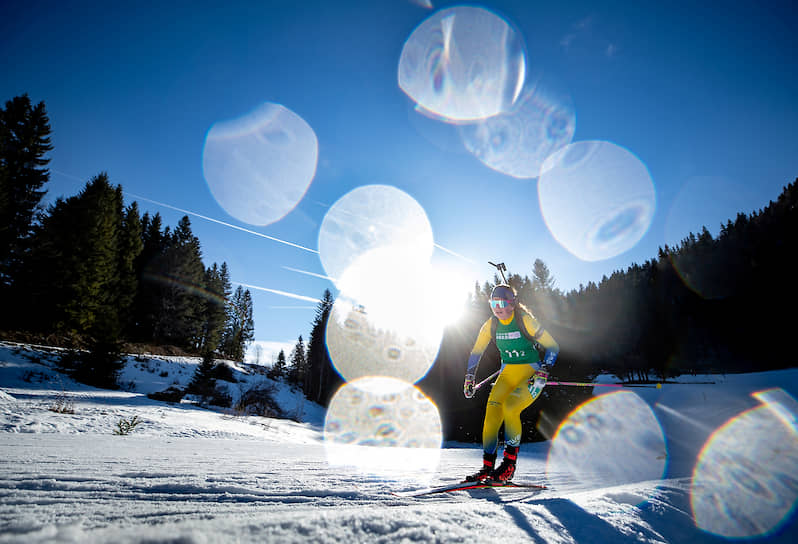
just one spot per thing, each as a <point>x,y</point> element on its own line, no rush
<point>508,398</point>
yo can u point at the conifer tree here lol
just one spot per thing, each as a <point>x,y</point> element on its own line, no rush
<point>204,382</point>
<point>24,141</point>
<point>130,247</point>
<point>203,378</point>
<point>80,270</point>
<point>240,329</point>
<point>541,277</point>
<point>93,260</point>
<point>188,276</point>
<point>101,365</point>
<point>179,273</point>
<point>278,369</point>
<point>543,299</point>
<point>76,265</point>
<point>298,366</point>
<point>321,376</point>
<point>147,300</point>
<point>217,285</point>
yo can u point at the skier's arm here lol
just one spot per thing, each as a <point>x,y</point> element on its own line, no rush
<point>545,339</point>
<point>483,339</point>
<point>480,345</point>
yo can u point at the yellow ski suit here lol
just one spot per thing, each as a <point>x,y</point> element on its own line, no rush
<point>520,360</point>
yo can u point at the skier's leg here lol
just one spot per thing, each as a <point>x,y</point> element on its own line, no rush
<point>509,379</point>
<point>515,403</point>
<point>518,400</point>
<point>494,413</point>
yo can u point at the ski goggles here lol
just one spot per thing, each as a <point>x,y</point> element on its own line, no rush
<point>501,303</point>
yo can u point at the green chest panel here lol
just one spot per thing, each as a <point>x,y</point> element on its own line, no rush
<point>514,347</point>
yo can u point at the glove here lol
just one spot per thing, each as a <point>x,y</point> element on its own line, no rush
<point>548,360</point>
<point>538,382</point>
<point>468,386</point>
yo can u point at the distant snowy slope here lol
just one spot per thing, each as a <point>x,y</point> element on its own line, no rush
<point>37,390</point>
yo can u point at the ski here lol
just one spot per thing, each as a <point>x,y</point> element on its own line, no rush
<point>466,486</point>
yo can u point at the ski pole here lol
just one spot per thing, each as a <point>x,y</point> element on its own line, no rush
<point>486,380</point>
<point>584,384</point>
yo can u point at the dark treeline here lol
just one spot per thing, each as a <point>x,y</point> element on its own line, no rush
<point>89,272</point>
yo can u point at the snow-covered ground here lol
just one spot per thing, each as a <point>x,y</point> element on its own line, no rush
<point>698,462</point>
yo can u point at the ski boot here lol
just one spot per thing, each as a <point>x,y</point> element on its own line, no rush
<point>506,470</point>
<point>485,473</point>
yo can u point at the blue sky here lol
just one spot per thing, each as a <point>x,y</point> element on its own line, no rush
<point>703,97</point>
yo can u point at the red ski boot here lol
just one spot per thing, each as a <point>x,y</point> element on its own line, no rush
<point>506,470</point>
<point>486,472</point>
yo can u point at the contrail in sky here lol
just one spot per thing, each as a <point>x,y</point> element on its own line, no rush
<point>322,276</point>
<point>450,252</point>
<point>276,292</point>
<point>242,229</point>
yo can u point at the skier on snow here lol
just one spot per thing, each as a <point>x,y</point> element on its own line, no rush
<point>517,335</point>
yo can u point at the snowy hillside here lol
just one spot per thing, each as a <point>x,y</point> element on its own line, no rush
<point>700,462</point>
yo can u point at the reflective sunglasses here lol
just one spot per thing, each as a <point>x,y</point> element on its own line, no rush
<point>500,303</point>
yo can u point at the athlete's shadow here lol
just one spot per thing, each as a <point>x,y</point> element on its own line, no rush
<point>559,515</point>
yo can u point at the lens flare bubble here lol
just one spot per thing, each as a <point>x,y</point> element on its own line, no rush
<point>597,199</point>
<point>384,426</point>
<point>517,142</point>
<point>609,440</point>
<point>744,484</point>
<point>463,64</point>
<point>371,217</point>
<point>259,166</point>
<point>374,331</point>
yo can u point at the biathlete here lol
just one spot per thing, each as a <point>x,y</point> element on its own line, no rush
<point>517,335</point>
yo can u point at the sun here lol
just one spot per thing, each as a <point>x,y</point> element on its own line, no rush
<point>390,316</point>
<point>403,293</point>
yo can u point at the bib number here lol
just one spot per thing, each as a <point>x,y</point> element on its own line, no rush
<point>514,354</point>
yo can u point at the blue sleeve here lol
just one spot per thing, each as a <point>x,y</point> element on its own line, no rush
<point>473,363</point>
<point>481,343</point>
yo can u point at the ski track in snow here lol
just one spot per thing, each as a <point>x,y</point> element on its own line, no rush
<point>191,475</point>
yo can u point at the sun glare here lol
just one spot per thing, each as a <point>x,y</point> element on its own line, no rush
<point>402,292</point>
<point>390,316</point>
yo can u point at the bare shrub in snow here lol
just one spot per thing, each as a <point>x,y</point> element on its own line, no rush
<point>259,400</point>
<point>63,404</point>
<point>126,426</point>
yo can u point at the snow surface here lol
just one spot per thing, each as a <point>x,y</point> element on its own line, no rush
<point>690,462</point>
